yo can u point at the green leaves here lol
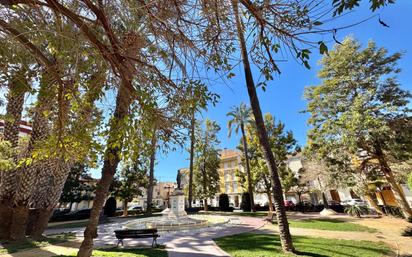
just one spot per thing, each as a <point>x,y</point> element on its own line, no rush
<point>304,55</point>
<point>206,160</point>
<point>358,107</point>
<point>342,5</point>
<point>323,49</point>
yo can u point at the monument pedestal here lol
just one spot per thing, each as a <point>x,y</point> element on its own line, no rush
<point>177,205</point>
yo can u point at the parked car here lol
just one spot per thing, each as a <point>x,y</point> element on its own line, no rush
<point>135,208</point>
<point>78,215</point>
<point>59,215</point>
<point>333,202</point>
<point>289,203</point>
<point>359,202</point>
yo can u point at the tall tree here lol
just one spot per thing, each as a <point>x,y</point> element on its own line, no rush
<point>153,150</point>
<point>18,86</point>
<point>282,144</point>
<point>16,73</point>
<point>131,179</point>
<point>241,116</point>
<point>199,97</point>
<point>285,236</point>
<point>75,190</point>
<point>360,108</point>
<point>207,160</point>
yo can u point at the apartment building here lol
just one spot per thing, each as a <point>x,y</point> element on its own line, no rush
<point>25,128</point>
<point>230,164</point>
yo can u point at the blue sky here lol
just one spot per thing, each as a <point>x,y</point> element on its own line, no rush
<point>283,97</point>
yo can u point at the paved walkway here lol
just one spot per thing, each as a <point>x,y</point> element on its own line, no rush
<point>195,243</point>
<point>199,243</point>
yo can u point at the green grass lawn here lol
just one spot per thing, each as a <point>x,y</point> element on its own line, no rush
<point>117,252</point>
<point>12,246</point>
<point>330,224</point>
<point>268,245</point>
<point>323,224</point>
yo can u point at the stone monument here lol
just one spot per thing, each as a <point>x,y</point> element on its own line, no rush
<point>177,204</point>
<point>176,201</point>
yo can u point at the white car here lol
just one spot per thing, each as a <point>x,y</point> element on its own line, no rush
<point>359,202</point>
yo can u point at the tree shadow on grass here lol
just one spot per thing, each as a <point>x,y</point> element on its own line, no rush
<point>127,252</point>
<point>28,244</point>
<point>268,244</point>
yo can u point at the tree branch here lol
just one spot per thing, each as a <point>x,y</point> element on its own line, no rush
<point>37,53</point>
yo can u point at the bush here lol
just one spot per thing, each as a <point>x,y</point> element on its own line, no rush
<point>110,207</point>
<point>356,210</point>
<point>407,232</point>
<point>193,210</point>
<point>224,202</point>
<point>245,205</point>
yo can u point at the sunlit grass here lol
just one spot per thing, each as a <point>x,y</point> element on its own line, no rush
<point>268,245</point>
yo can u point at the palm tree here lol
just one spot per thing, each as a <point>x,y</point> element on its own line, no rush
<point>18,86</point>
<point>241,115</point>
<point>284,232</point>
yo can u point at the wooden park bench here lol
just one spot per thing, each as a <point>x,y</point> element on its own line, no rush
<point>137,233</point>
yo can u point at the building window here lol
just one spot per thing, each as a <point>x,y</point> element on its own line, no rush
<point>235,187</point>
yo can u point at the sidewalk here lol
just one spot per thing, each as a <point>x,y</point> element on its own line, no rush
<point>195,243</point>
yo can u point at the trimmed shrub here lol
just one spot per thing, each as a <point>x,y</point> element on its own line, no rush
<point>245,205</point>
<point>224,202</point>
<point>110,207</point>
<point>356,210</point>
<point>193,210</point>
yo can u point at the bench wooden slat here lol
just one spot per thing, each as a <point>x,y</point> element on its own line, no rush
<point>136,233</point>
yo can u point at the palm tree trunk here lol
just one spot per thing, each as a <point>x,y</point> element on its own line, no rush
<point>249,177</point>
<point>192,149</point>
<point>37,222</point>
<point>151,172</point>
<point>51,179</point>
<point>111,161</point>
<point>27,180</point>
<point>8,181</point>
<point>285,236</point>
<point>46,200</point>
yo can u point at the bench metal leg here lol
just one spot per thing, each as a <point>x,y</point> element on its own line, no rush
<point>119,241</point>
<point>154,242</point>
